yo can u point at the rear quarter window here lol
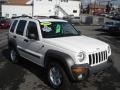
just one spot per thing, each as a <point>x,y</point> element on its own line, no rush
<point>13,26</point>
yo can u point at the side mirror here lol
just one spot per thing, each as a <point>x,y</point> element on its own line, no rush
<point>79,32</point>
<point>32,36</point>
<point>73,24</point>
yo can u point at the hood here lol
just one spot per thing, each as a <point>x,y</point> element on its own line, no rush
<point>78,43</point>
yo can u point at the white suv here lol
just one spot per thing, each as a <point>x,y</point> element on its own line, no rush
<point>58,47</point>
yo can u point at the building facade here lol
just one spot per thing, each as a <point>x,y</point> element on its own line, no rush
<point>13,10</point>
<point>59,8</point>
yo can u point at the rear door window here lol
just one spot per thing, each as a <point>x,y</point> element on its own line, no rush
<point>21,27</point>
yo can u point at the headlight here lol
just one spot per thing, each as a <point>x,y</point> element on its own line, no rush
<point>109,50</point>
<point>80,56</point>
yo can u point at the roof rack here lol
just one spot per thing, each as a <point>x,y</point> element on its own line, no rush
<point>54,17</point>
<point>23,16</point>
<point>40,17</point>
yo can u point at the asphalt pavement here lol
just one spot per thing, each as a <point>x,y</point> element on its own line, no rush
<point>28,76</point>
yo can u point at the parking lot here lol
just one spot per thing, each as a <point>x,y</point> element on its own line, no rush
<point>28,76</point>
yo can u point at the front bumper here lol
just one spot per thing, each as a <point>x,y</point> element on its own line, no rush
<point>98,68</point>
<point>89,70</point>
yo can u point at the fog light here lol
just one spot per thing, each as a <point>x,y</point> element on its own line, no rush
<point>80,76</point>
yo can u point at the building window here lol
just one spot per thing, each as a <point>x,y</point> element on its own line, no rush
<point>64,0</point>
<point>7,15</point>
<point>14,15</point>
<point>74,11</point>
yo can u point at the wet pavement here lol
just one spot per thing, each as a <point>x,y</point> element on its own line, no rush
<point>28,76</point>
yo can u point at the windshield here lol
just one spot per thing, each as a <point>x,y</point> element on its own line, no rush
<point>109,23</point>
<point>117,24</point>
<point>57,29</point>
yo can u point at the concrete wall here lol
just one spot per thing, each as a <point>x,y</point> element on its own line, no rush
<point>16,10</point>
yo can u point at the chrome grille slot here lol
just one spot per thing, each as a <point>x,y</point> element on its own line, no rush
<point>93,58</point>
<point>96,58</point>
<point>102,56</point>
<point>90,59</point>
<point>99,57</point>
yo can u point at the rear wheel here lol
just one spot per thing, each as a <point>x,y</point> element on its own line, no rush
<point>13,55</point>
<point>57,76</point>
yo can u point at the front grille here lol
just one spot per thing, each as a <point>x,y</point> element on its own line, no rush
<point>96,58</point>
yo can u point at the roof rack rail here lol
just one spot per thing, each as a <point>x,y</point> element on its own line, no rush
<point>54,17</point>
<point>23,16</point>
<point>40,17</point>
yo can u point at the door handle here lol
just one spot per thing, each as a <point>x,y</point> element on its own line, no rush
<point>26,40</point>
<point>14,36</point>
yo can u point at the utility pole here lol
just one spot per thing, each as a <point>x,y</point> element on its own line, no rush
<point>94,6</point>
<point>90,2</point>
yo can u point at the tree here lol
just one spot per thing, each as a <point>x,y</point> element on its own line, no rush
<point>88,9</point>
<point>108,8</point>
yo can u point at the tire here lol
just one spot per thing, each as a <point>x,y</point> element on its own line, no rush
<point>57,77</point>
<point>14,55</point>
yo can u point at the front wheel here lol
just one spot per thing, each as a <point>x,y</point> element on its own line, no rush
<point>57,76</point>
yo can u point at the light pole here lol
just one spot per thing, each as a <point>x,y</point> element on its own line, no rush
<point>94,6</point>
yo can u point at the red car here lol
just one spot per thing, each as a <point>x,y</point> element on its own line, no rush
<point>4,24</point>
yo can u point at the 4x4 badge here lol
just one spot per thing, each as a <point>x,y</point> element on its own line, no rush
<point>98,48</point>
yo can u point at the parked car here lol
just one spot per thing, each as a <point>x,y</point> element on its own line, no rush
<point>110,15</point>
<point>115,29</point>
<point>1,18</point>
<point>75,20</point>
<point>5,23</point>
<point>112,27</point>
<point>107,25</point>
<point>59,48</point>
<point>104,14</point>
<point>72,19</point>
<point>116,17</point>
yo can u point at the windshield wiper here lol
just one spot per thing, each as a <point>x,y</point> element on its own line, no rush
<point>65,35</point>
<point>55,36</point>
